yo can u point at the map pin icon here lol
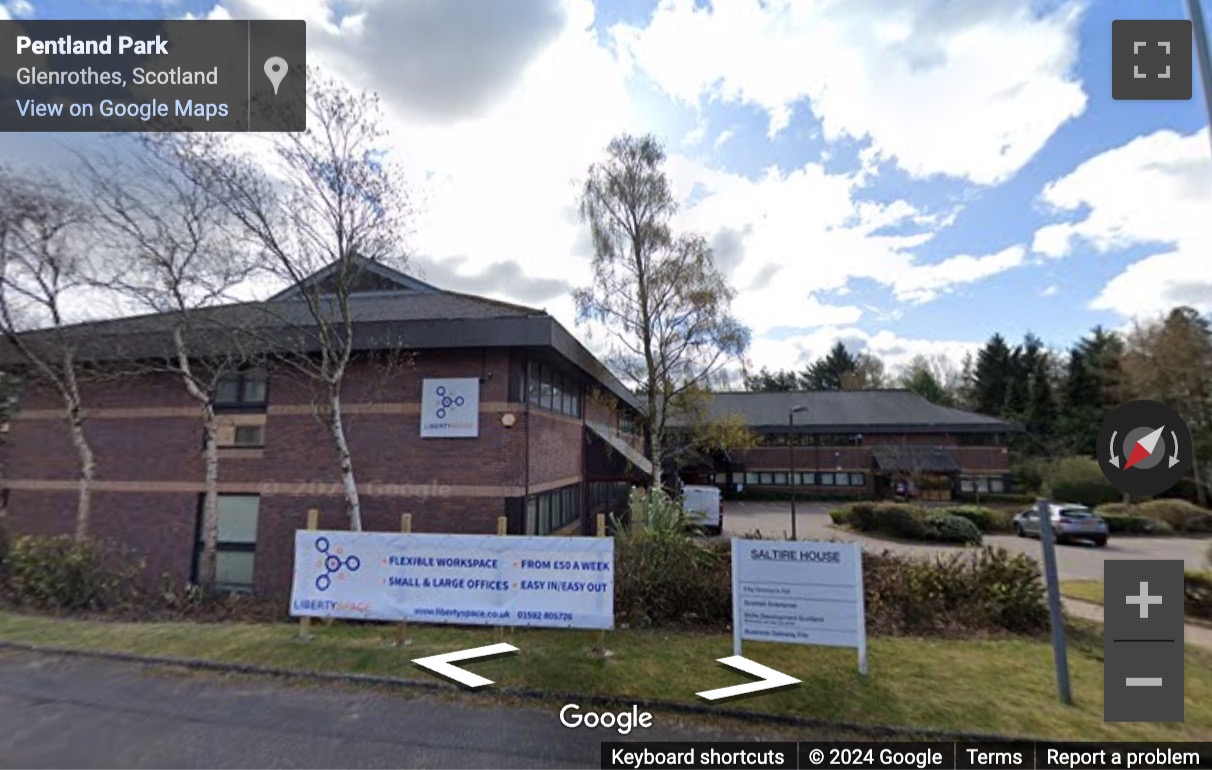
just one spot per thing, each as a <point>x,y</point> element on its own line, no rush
<point>275,70</point>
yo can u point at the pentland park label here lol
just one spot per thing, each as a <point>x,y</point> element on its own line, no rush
<point>799,592</point>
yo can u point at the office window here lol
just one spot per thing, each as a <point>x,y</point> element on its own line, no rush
<point>236,546</point>
<point>249,436</point>
<point>532,383</point>
<point>780,479</point>
<point>827,479</point>
<point>858,479</point>
<point>554,510</point>
<point>997,484</point>
<point>244,390</point>
<point>751,478</point>
<point>532,515</point>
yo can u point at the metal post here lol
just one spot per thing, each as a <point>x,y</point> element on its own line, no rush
<point>1060,655</point>
<point>1201,50</point>
<point>791,462</point>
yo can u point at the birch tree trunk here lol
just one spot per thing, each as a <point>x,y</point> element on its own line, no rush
<point>210,502</point>
<point>88,461</point>
<point>336,426</point>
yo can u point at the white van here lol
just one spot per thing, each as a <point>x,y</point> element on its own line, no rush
<point>704,505</point>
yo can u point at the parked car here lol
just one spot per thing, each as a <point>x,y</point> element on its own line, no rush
<point>704,506</point>
<point>1069,522</point>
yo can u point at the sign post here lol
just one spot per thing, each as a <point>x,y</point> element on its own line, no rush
<point>313,523</point>
<point>799,592</point>
<point>402,629</point>
<point>1060,657</point>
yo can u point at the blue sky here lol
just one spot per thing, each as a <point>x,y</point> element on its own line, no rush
<point>909,181</point>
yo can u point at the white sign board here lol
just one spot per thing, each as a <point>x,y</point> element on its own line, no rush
<point>799,592</point>
<point>450,407</point>
<point>490,580</point>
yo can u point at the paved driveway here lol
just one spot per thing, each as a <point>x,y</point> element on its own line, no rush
<point>1074,562</point>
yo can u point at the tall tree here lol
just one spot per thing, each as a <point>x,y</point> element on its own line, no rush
<point>1093,384</point>
<point>991,377</point>
<point>171,249</point>
<point>829,372</point>
<point>766,381</point>
<point>326,199</point>
<point>1171,361</point>
<point>43,266</point>
<point>868,373</point>
<point>922,376</point>
<point>662,301</point>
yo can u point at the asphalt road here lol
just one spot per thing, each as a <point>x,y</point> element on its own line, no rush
<point>1078,561</point>
<point>77,712</point>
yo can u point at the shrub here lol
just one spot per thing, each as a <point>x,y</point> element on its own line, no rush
<point>941,527</point>
<point>62,573</point>
<point>1080,480</point>
<point>908,521</point>
<point>898,520</point>
<point>665,580</point>
<point>985,519</point>
<point>1197,591</point>
<point>1125,524</point>
<point>663,575</point>
<point>1181,515</point>
<point>958,594</point>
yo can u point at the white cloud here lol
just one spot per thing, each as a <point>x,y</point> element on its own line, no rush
<point>971,90</point>
<point>1050,291</point>
<point>1153,191</point>
<point>894,350</point>
<point>16,9</point>
<point>922,283</point>
<point>723,138</point>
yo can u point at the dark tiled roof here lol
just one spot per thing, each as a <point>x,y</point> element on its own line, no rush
<point>914,459</point>
<point>416,315</point>
<point>848,411</point>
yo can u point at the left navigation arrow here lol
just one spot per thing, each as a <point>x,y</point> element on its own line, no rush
<point>442,664</point>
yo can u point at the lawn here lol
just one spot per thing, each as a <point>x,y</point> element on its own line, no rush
<point>1086,590</point>
<point>990,686</point>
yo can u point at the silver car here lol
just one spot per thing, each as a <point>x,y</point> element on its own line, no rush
<point>1069,522</point>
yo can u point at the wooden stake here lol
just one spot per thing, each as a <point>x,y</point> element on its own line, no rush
<point>402,629</point>
<point>313,523</point>
<point>502,530</point>
<point>602,634</point>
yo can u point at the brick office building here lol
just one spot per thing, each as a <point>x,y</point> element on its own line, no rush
<point>858,444</point>
<point>536,430</point>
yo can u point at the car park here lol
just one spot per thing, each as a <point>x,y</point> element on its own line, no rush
<point>1069,522</point>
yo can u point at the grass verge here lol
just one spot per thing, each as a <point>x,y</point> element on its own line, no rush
<point>1086,590</point>
<point>990,686</point>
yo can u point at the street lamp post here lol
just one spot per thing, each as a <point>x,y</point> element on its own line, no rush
<point>791,460</point>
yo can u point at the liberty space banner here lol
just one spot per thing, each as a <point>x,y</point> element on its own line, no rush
<point>493,580</point>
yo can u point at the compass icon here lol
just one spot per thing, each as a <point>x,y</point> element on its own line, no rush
<point>1144,448</point>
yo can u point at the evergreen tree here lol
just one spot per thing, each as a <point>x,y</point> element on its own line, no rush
<point>829,372</point>
<point>991,377</point>
<point>920,378</point>
<point>766,381</point>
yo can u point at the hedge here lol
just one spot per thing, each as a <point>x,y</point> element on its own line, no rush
<point>988,520</point>
<point>910,522</point>
<point>1178,515</point>
<point>1124,524</point>
<point>1197,590</point>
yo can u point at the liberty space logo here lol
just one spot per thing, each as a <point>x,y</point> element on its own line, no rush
<point>333,564</point>
<point>446,401</point>
<point>450,407</point>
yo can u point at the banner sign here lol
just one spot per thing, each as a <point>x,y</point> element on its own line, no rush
<point>799,592</point>
<point>491,580</point>
<point>450,407</point>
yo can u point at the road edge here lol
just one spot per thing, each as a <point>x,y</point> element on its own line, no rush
<point>674,707</point>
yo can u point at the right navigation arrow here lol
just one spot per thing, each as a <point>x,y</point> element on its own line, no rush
<point>768,679</point>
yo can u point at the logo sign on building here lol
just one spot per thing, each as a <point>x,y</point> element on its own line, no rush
<point>799,592</point>
<point>555,582</point>
<point>450,407</point>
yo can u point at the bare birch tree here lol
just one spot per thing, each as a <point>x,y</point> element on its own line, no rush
<point>661,299</point>
<point>329,200</point>
<point>42,266</point>
<point>170,250</point>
